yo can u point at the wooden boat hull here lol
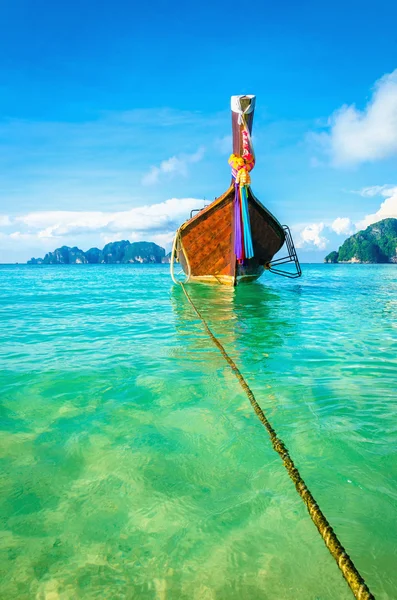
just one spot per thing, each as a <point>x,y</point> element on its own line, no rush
<point>209,244</point>
<point>205,248</point>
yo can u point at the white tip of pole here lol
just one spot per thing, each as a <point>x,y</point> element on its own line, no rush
<point>236,106</point>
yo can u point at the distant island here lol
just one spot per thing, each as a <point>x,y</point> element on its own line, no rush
<point>376,244</point>
<point>122,252</point>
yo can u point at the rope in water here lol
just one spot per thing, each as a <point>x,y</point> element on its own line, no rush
<point>343,560</point>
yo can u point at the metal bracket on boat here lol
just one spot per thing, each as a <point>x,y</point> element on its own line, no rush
<point>292,257</point>
<point>195,210</point>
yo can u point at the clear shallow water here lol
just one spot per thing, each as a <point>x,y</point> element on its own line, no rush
<point>132,466</point>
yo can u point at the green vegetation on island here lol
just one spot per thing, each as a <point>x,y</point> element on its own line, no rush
<point>376,244</point>
<point>113,253</point>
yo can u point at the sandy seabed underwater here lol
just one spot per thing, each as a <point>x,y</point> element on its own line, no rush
<point>132,464</point>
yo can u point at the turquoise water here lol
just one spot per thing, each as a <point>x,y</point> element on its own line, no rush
<point>132,466</point>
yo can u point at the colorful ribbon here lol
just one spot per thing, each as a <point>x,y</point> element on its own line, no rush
<point>241,167</point>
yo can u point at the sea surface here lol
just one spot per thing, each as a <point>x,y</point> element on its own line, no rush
<point>133,466</point>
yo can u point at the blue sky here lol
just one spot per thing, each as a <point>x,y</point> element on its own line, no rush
<point>115,120</point>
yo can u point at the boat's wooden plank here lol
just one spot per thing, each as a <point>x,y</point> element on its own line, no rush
<point>208,244</point>
<point>266,240</point>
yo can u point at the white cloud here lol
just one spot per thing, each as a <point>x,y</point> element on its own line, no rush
<point>358,136</point>
<point>156,219</point>
<point>387,209</point>
<point>39,232</point>
<point>375,190</point>
<point>311,236</point>
<point>175,164</point>
<point>342,225</point>
<point>5,221</point>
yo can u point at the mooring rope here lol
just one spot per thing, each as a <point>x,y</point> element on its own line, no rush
<point>343,560</point>
<point>174,255</point>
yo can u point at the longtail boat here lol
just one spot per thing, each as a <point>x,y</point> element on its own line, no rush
<point>235,238</point>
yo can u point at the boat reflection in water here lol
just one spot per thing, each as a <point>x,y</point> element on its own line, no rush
<point>251,322</point>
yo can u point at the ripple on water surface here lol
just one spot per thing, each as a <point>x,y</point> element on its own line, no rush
<point>132,464</point>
